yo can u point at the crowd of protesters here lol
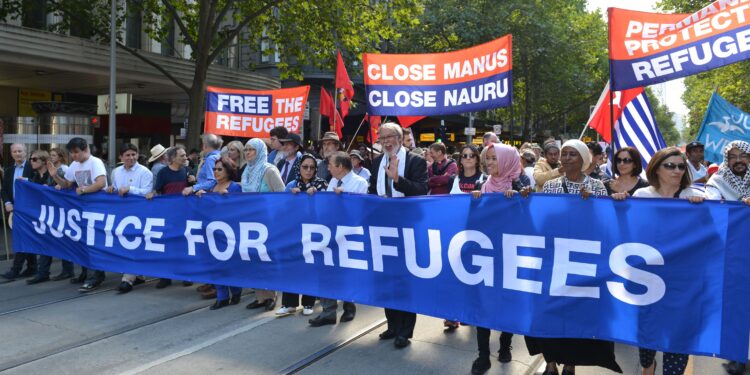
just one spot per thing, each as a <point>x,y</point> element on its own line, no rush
<point>283,164</point>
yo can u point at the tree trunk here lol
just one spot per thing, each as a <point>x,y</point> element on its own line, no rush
<point>195,117</point>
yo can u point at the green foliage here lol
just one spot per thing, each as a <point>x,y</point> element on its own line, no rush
<point>559,53</point>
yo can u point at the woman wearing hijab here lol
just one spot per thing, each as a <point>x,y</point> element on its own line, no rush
<point>308,182</point>
<point>503,165</point>
<point>574,158</point>
<point>260,176</point>
<point>668,176</point>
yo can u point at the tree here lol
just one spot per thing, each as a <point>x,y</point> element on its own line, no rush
<point>560,62</point>
<point>303,32</point>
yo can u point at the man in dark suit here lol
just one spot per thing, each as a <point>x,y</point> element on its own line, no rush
<point>20,168</point>
<point>289,166</point>
<point>397,173</point>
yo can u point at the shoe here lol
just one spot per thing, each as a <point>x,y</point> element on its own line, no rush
<point>401,342</point>
<point>204,288</point>
<point>568,372</point>
<point>62,276</point>
<point>138,281</point>
<point>387,335</point>
<point>307,310</point>
<point>37,280</point>
<point>88,287</point>
<point>348,316</point>
<point>124,287</point>
<point>284,311</point>
<point>504,355</point>
<point>550,372</point>
<point>320,321</point>
<point>29,272</point>
<point>10,275</point>
<point>163,283</point>
<point>450,325</point>
<point>80,279</point>
<point>734,368</point>
<point>269,304</point>
<point>187,283</point>
<point>219,304</point>
<point>235,300</point>
<point>254,305</point>
<point>480,365</point>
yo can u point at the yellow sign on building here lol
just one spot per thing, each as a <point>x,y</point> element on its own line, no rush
<point>427,137</point>
<point>28,96</point>
<point>478,141</point>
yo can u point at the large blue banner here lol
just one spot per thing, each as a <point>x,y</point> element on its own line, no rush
<point>662,274</point>
<point>723,123</point>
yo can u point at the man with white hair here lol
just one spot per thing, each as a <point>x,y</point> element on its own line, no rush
<point>206,181</point>
<point>19,169</point>
<point>397,173</point>
<point>489,138</point>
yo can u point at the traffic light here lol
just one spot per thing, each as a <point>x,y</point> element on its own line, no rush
<point>440,135</point>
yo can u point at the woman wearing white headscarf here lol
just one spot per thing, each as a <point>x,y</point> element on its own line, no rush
<point>574,158</point>
<point>260,176</point>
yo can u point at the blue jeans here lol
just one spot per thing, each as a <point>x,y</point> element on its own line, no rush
<point>44,263</point>
<point>223,291</point>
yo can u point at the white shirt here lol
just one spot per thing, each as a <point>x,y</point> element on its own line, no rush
<point>529,172</point>
<point>139,179</point>
<point>85,174</point>
<point>697,174</point>
<point>363,172</point>
<point>650,192</point>
<point>351,183</point>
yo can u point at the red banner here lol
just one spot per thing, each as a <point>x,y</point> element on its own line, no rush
<point>249,114</point>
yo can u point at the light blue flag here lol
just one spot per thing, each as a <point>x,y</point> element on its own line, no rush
<point>722,124</point>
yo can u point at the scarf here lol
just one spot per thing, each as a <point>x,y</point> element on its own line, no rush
<point>731,186</point>
<point>508,167</point>
<point>252,177</point>
<point>381,173</point>
<point>582,149</point>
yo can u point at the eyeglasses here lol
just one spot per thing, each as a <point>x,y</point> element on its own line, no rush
<point>35,159</point>
<point>249,149</point>
<point>218,169</point>
<point>468,156</point>
<point>623,161</point>
<point>388,136</point>
<point>735,157</point>
<point>307,167</point>
<point>672,166</point>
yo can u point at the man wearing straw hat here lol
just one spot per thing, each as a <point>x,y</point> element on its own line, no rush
<point>159,158</point>
<point>330,144</point>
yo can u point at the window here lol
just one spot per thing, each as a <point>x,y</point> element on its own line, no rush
<point>167,45</point>
<point>133,24</point>
<point>266,45</point>
<point>34,14</point>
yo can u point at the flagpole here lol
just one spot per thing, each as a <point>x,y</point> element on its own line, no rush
<point>611,120</point>
<point>356,132</point>
<point>585,127</point>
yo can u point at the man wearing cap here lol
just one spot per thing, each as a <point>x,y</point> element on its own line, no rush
<point>694,152</point>
<point>159,158</point>
<point>548,167</point>
<point>398,173</point>
<point>206,181</point>
<point>330,143</point>
<point>358,166</point>
<point>289,166</point>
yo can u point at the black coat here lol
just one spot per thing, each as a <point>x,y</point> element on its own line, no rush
<point>7,190</point>
<point>414,181</point>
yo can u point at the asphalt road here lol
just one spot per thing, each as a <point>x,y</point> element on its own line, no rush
<point>51,328</point>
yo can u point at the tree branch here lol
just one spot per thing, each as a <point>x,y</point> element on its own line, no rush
<point>180,24</point>
<point>220,17</point>
<point>236,31</point>
<point>155,65</point>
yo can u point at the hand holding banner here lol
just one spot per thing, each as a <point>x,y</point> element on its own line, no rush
<point>248,114</point>
<point>473,79</point>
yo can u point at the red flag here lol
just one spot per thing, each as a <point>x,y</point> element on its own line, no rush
<point>600,119</point>
<point>328,109</point>
<point>374,121</point>
<point>344,89</point>
<point>407,121</point>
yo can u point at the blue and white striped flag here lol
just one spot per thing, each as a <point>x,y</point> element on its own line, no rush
<point>636,128</point>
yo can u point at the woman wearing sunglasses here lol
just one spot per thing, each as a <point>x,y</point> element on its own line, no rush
<point>470,176</point>
<point>225,173</point>
<point>307,181</point>
<point>667,173</point>
<point>627,167</point>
